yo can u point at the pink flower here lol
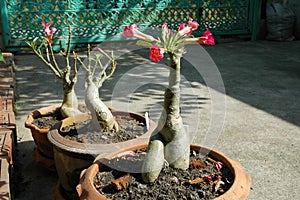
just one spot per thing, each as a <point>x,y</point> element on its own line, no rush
<point>46,25</point>
<point>193,24</point>
<point>156,53</point>
<point>129,31</point>
<point>187,30</point>
<point>165,31</point>
<point>219,165</point>
<point>132,31</point>
<point>165,25</point>
<point>184,30</point>
<point>208,178</point>
<point>49,32</point>
<point>181,26</point>
<point>207,38</point>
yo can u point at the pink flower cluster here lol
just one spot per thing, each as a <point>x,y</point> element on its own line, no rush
<point>156,52</point>
<point>49,32</point>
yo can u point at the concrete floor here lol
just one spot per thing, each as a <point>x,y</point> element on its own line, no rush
<point>240,97</point>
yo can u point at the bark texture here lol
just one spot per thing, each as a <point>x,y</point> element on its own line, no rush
<point>170,130</point>
<point>99,110</point>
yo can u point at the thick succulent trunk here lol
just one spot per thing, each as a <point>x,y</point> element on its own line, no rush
<point>170,129</point>
<point>69,106</point>
<point>98,109</point>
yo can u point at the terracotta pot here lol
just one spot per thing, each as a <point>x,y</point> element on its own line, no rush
<point>44,149</point>
<point>240,188</point>
<point>72,157</point>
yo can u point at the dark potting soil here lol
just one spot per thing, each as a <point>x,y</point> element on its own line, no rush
<point>85,132</point>
<point>48,120</point>
<point>171,183</point>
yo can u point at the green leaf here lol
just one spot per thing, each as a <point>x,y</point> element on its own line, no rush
<point>2,59</point>
<point>144,43</point>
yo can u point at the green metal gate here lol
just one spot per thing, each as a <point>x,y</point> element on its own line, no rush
<point>98,20</point>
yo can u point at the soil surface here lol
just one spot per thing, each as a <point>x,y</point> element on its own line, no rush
<point>202,180</point>
<point>86,132</point>
<point>48,120</point>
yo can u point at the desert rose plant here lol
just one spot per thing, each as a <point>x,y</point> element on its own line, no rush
<point>42,47</point>
<point>96,74</point>
<point>170,142</point>
<point>94,80</point>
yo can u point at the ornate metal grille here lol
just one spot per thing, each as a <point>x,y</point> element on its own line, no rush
<point>98,20</point>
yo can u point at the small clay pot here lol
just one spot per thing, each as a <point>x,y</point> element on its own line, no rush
<point>240,188</point>
<point>72,157</point>
<point>44,149</point>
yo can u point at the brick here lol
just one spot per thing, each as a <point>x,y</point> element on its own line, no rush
<point>6,93</point>
<point>5,171</point>
<point>9,58</point>
<point>8,123</point>
<point>7,72</point>
<point>7,119</point>
<point>6,144</point>
<point>6,105</point>
<point>9,81</point>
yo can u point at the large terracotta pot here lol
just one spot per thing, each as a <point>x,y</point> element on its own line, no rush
<point>240,188</point>
<point>72,157</point>
<point>44,149</point>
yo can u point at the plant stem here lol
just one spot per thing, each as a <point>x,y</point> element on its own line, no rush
<point>170,130</point>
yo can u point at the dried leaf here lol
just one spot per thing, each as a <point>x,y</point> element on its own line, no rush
<point>195,181</point>
<point>198,164</point>
<point>98,184</point>
<point>122,182</point>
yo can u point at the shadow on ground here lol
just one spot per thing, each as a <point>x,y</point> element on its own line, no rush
<point>264,74</point>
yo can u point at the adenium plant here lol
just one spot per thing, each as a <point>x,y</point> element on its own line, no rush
<point>42,47</point>
<point>96,74</point>
<point>170,142</point>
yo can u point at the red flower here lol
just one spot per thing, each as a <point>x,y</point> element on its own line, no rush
<point>156,53</point>
<point>207,38</point>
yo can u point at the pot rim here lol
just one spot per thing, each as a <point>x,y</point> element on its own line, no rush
<point>95,149</point>
<point>240,188</point>
<point>41,111</point>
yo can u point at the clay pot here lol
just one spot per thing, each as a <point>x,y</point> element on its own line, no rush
<point>240,188</point>
<point>44,149</point>
<point>72,157</point>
